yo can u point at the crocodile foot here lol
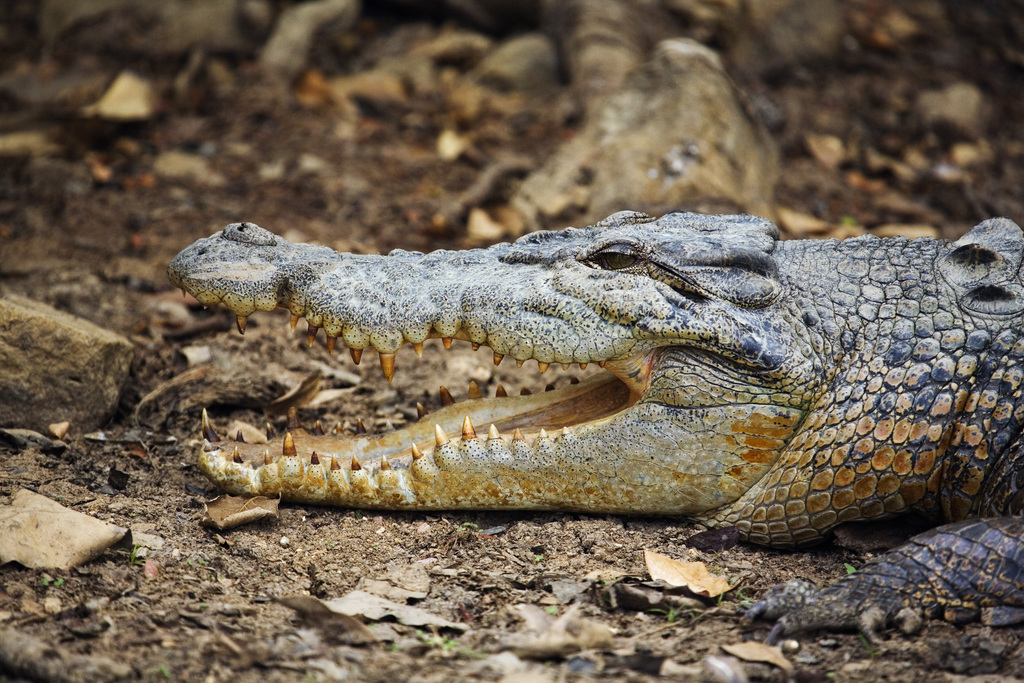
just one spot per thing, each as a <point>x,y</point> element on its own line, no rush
<point>960,572</point>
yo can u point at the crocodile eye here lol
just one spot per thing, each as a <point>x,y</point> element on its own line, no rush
<point>615,257</point>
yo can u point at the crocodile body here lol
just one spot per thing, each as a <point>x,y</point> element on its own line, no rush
<point>781,387</point>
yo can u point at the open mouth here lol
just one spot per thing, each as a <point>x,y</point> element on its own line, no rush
<point>526,418</point>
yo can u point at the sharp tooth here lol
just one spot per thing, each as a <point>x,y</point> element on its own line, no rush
<point>360,427</point>
<point>476,347</point>
<point>311,333</point>
<point>543,433</point>
<point>499,392</point>
<point>314,459</point>
<point>240,322</point>
<point>565,366</point>
<point>416,452</point>
<point>338,429</point>
<point>543,367</point>
<point>294,321</point>
<point>334,464</point>
<point>421,412</point>
<point>318,429</point>
<point>418,348</point>
<point>357,355</point>
<point>355,464</point>
<point>583,366</point>
<point>498,358</point>
<point>467,429</point>
<point>293,419</point>
<point>236,456</point>
<point>208,432</point>
<point>600,363</point>
<point>446,396</point>
<point>387,364</point>
<point>288,447</point>
<point>384,464</point>
<point>525,392</point>
<point>492,433</point>
<point>474,390</point>
<point>183,295</point>
<point>238,437</point>
<point>330,344</point>
<point>440,438</point>
<point>519,363</point>
<point>447,341</point>
<point>566,430</point>
<point>388,425</point>
<point>518,435</point>
<point>267,460</point>
<point>270,432</point>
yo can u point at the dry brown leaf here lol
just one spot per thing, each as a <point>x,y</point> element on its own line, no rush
<point>374,608</point>
<point>605,574</point>
<point>227,512</point>
<point>40,533</point>
<point>801,223</point>
<point>341,628</point>
<point>828,150</point>
<point>568,634</point>
<point>297,396</point>
<point>694,576</point>
<point>753,651</point>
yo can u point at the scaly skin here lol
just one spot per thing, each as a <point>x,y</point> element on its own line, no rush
<point>783,387</point>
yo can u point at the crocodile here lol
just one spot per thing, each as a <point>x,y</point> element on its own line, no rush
<point>780,387</point>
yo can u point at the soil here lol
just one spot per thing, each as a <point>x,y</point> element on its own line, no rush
<point>201,606</point>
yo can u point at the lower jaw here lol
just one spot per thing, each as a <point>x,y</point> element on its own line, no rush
<point>592,400</point>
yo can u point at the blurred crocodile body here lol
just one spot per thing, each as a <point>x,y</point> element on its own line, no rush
<point>781,387</point>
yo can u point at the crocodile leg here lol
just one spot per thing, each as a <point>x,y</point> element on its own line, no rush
<point>961,571</point>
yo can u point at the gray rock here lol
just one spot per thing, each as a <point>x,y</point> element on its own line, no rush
<point>56,367</point>
<point>675,134</point>
<point>526,63</point>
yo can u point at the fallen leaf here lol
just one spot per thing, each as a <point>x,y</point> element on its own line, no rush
<point>568,634</point>
<point>605,574</point>
<point>374,608</point>
<point>59,429</point>
<point>401,582</point>
<point>828,150</point>
<point>297,396</point>
<point>227,512</point>
<point>40,533</point>
<point>338,627</point>
<point>753,651</point>
<point>692,575</point>
<point>715,540</point>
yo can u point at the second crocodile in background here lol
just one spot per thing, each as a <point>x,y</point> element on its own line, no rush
<point>780,387</point>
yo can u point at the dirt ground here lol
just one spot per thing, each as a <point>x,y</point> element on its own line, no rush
<point>90,231</point>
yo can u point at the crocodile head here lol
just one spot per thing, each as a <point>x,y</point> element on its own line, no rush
<point>710,366</point>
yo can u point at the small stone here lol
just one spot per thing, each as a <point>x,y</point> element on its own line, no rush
<point>959,107</point>
<point>379,87</point>
<point>193,168</point>
<point>284,542</point>
<point>526,63</point>
<point>450,145</point>
<point>482,227</point>
<point>129,98</point>
<point>27,143</point>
